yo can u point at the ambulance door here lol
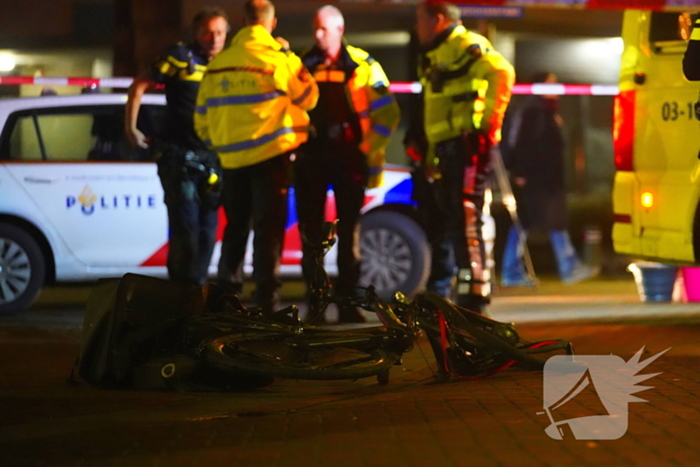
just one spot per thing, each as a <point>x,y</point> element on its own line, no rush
<point>667,140</point>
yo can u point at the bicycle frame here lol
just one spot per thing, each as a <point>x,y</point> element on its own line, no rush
<point>481,344</point>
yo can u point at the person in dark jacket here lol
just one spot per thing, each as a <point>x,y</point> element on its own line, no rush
<point>537,170</point>
<point>691,59</point>
<point>189,172</point>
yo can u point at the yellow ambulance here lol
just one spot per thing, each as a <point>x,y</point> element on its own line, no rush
<point>656,139</point>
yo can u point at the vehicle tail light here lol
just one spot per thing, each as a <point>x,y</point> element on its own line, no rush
<point>623,131</point>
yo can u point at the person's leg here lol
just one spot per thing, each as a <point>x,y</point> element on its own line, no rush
<point>349,188</point>
<point>182,252</point>
<point>513,272</point>
<point>183,222</point>
<point>442,268</point>
<point>310,189</point>
<point>570,268</point>
<point>237,202</point>
<point>467,176</point>
<point>208,222</point>
<point>270,182</point>
<point>432,217</point>
<point>210,192</point>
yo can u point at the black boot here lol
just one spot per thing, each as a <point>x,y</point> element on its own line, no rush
<point>314,314</point>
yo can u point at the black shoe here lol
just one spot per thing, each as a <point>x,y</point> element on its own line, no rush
<point>268,305</point>
<point>314,314</point>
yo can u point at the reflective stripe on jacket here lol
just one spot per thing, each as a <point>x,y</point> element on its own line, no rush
<point>467,85</point>
<point>370,98</point>
<point>253,99</point>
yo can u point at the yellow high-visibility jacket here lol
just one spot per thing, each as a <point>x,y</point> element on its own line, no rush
<point>253,99</point>
<point>467,86</point>
<point>369,97</point>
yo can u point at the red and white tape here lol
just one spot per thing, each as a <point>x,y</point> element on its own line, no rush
<point>83,82</point>
<point>529,89</point>
<point>396,87</point>
<point>667,5</point>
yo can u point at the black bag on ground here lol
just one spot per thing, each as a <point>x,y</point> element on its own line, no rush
<point>128,324</point>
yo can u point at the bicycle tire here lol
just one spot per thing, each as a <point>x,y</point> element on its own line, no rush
<point>454,313</point>
<point>220,352</point>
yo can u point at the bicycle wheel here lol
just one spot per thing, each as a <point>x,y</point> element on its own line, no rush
<point>295,358</point>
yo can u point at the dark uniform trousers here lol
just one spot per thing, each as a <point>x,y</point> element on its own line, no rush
<point>255,196</point>
<point>192,214</point>
<point>344,168</point>
<point>460,192</point>
<point>432,217</point>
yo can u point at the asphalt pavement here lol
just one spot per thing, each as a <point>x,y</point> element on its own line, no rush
<point>497,421</point>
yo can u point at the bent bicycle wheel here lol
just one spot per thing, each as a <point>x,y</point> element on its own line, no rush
<point>459,320</point>
<point>287,358</point>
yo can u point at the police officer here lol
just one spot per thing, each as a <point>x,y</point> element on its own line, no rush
<point>188,171</point>
<point>691,59</point>
<point>352,123</point>
<point>251,109</point>
<point>467,87</point>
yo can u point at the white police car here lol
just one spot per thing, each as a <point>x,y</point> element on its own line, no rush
<point>77,203</point>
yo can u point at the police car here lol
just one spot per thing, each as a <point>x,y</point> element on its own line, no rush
<point>77,203</point>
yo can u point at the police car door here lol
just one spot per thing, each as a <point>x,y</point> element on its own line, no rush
<point>102,196</point>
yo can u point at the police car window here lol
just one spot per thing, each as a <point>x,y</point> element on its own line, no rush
<point>75,134</point>
<point>66,138</point>
<point>24,142</point>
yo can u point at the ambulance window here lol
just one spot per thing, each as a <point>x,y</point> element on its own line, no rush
<point>667,27</point>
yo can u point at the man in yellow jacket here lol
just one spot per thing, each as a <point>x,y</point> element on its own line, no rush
<point>352,124</point>
<point>466,87</point>
<point>251,109</point>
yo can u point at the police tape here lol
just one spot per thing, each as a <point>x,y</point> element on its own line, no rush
<point>399,87</point>
<point>82,82</point>
<point>528,89</point>
<point>662,5</point>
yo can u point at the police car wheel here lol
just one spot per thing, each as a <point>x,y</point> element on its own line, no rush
<point>395,254</point>
<point>22,268</point>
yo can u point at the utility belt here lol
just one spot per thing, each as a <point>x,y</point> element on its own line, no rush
<point>175,164</point>
<point>202,162</point>
<point>336,133</point>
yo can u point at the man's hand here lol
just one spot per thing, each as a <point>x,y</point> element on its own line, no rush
<point>136,138</point>
<point>283,42</point>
